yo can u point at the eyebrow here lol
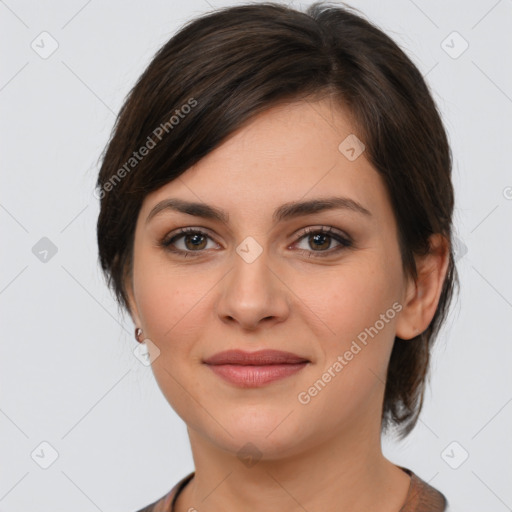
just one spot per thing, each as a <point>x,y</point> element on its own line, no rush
<point>284,212</point>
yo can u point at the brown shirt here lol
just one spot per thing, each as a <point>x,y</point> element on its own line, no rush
<point>421,497</point>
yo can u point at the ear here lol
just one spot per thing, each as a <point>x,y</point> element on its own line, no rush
<point>422,295</point>
<point>132,304</point>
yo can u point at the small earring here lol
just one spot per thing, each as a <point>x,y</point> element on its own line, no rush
<point>138,334</point>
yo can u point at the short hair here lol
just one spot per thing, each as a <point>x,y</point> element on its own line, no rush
<point>224,67</point>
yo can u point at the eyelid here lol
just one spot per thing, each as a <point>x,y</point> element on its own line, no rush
<point>323,229</point>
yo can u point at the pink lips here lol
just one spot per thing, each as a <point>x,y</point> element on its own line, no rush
<point>255,369</point>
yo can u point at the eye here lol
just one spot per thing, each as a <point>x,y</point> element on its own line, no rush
<point>321,239</point>
<point>194,241</point>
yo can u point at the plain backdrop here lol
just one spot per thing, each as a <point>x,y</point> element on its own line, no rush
<point>73,396</point>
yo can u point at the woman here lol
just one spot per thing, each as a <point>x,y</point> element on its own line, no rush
<point>276,216</point>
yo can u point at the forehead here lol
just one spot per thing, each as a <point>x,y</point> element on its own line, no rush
<point>287,153</point>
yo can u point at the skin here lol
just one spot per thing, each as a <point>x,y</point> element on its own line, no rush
<point>326,454</point>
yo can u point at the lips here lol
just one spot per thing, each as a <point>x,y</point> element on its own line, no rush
<point>255,369</point>
<point>259,358</point>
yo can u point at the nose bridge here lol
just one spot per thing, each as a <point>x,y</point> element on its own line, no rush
<point>252,292</point>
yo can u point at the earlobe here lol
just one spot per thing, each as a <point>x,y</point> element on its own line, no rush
<point>422,295</point>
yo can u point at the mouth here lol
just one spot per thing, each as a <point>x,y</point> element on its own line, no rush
<point>255,369</point>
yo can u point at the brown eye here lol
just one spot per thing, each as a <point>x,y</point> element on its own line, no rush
<point>196,241</point>
<point>319,240</point>
<point>187,242</point>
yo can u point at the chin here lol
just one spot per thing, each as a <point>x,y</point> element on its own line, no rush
<point>272,433</point>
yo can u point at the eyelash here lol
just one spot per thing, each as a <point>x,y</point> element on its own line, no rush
<point>345,242</point>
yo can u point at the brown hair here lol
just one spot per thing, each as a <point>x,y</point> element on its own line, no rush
<point>226,66</point>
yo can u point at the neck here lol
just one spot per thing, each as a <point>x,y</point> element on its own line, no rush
<point>347,473</point>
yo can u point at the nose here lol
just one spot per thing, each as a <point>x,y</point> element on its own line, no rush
<point>253,295</point>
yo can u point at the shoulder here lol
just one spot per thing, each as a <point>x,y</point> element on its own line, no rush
<point>165,503</point>
<point>422,497</point>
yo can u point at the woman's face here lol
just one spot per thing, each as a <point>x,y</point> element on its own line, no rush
<point>257,281</point>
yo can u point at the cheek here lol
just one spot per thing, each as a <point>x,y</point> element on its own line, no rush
<point>174,316</point>
<point>350,298</point>
<point>168,298</point>
<point>357,307</point>
<point>350,376</point>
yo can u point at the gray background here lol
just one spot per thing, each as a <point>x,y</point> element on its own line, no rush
<point>68,376</point>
